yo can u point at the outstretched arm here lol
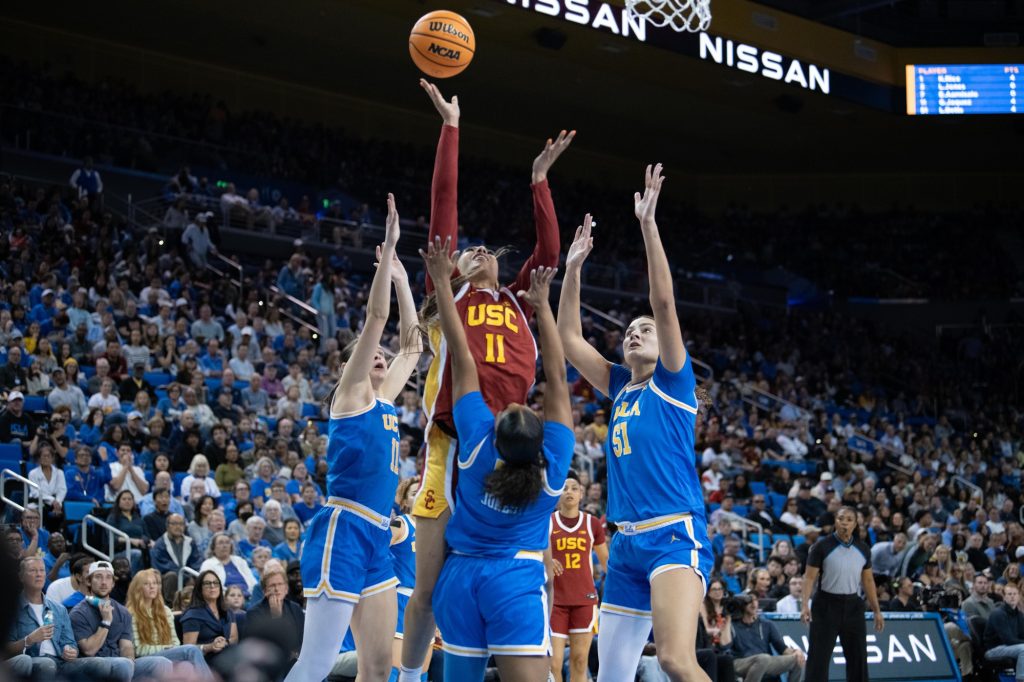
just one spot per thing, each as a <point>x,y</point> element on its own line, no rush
<point>444,214</point>
<point>581,354</point>
<point>440,262</point>
<point>404,363</point>
<point>557,407</point>
<point>663,302</point>
<point>545,252</point>
<point>354,390</point>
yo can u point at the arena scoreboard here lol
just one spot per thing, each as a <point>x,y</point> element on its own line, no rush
<point>953,89</point>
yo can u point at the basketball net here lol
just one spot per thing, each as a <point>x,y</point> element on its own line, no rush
<point>679,15</point>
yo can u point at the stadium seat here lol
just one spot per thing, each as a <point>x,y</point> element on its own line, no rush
<point>321,426</point>
<point>799,540</point>
<point>310,410</point>
<point>157,379</point>
<point>758,487</point>
<point>36,403</point>
<point>778,503</point>
<point>760,540</point>
<point>74,512</point>
<point>213,385</point>
<point>10,457</point>
<point>179,476</point>
<point>88,370</point>
<point>741,510</point>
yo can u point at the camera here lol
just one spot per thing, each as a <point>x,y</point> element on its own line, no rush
<point>736,605</point>
<point>937,597</point>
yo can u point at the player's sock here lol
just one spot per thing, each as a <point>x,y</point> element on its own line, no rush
<point>327,621</point>
<point>393,677</point>
<point>620,645</point>
<point>409,674</point>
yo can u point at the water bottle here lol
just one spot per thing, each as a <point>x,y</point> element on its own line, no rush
<point>47,618</point>
<point>94,600</point>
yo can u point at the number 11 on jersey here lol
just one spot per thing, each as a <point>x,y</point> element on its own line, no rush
<point>495,344</point>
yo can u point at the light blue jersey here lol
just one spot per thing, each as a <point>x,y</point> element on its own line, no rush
<point>480,526</point>
<point>362,456</point>
<point>652,467</point>
<point>404,554</point>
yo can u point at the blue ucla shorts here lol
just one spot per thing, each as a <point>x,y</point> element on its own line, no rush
<point>638,555</point>
<point>346,557</point>
<point>403,601</point>
<point>487,606</point>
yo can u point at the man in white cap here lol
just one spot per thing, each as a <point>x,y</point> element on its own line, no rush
<point>197,241</point>
<point>15,425</point>
<point>104,630</point>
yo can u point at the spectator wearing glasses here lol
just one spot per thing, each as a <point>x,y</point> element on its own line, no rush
<point>762,515</point>
<point>208,623</point>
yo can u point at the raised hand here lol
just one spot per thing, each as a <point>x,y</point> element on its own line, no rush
<point>644,206</point>
<point>582,244</point>
<point>398,273</point>
<point>547,157</point>
<point>449,110</point>
<point>391,229</point>
<point>540,284</point>
<point>440,264</point>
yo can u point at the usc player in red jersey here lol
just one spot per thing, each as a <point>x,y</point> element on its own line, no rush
<point>497,326</point>
<point>575,535</point>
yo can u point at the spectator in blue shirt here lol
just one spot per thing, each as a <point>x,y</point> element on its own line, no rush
<point>45,310</point>
<point>307,508</point>
<point>86,482</point>
<point>291,548</point>
<point>57,559</point>
<point>254,528</point>
<point>212,361</point>
<point>33,537</point>
<point>290,279</point>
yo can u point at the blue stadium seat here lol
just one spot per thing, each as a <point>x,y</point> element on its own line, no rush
<point>88,370</point>
<point>758,487</point>
<point>213,385</point>
<point>36,403</point>
<point>778,503</point>
<point>160,395</point>
<point>310,410</point>
<point>761,539</point>
<point>799,540</point>
<point>10,457</point>
<point>741,510</point>
<point>179,476</point>
<point>158,379</point>
<point>321,426</point>
<point>74,512</point>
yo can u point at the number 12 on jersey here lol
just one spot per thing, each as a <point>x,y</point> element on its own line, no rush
<point>620,440</point>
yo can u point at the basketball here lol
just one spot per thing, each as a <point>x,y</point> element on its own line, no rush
<point>442,44</point>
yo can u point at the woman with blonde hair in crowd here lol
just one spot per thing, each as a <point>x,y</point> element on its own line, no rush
<point>199,470</point>
<point>153,624</point>
<point>759,582</point>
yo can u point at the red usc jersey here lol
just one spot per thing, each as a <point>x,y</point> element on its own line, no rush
<point>498,332</point>
<point>572,544</point>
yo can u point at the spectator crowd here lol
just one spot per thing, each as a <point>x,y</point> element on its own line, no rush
<point>143,389</point>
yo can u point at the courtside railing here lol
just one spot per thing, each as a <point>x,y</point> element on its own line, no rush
<point>113,534</point>
<point>8,475</point>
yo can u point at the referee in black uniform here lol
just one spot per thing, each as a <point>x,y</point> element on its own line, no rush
<point>838,565</point>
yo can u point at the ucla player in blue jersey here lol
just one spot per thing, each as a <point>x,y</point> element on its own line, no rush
<point>347,570</point>
<point>490,598</point>
<point>403,552</point>
<point>661,557</point>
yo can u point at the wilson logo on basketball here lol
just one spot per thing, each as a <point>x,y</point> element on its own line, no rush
<point>450,29</point>
<point>442,51</point>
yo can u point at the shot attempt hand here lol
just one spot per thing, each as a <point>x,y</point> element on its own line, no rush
<point>582,244</point>
<point>391,228</point>
<point>540,287</point>
<point>644,205</point>
<point>440,264</point>
<point>449,110</point>
<point>547,157</point>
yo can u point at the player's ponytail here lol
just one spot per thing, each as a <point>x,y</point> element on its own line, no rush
<point>519,437</point>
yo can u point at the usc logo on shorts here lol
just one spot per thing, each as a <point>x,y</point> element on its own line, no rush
<point>428,499</point>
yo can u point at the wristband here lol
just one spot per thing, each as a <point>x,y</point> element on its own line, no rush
<point>105,624</point>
